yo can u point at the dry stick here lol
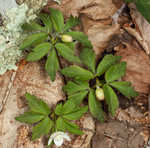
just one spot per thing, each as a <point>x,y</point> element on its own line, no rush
<point>149,105</point>
<point>4,100</point>
<point>117,14</point>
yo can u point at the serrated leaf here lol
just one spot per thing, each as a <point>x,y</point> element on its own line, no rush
<point>67,53</point>
<point>106,62</point>
<point>76,114</point>
<point>37,105</point>
<point>143,6</point>
<point>57,19</point>
<point>77,72</point>
<point>66,126</point>
<point>81,37</point>
<point>71,22</point>
<point>33,26</point>
<point>115,72</point>
<point>39,52</point>
<point>71,87</point>
<point>30,117</point>
<point>71,45</point>
<point>42,128</point>
<point>47,21</point>
<point>111,99</point>
<point>58,109</point>
<point>78,97</point>
<point>30,40</point>
<point>72,128</point>
<point>88,58</point>
<point>60,125</point>
<point>68,107</point>
<point>125,88</point>
<point>82,83</point>
<point>52,64</point>
<point>95,107</point>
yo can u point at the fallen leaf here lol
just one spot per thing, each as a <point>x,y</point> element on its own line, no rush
<point>100,10</point>
<point>116,134</point>
<point>33,79</point>
<point>99,33</point>
<point>142,28</point>
<point>138,67</point>
<point>95,9</point>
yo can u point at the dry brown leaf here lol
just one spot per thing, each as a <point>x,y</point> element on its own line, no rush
<point>116,134</point>
<point>99,33</point>
<point>95,9</point>
<point>33,79</point>
<point>100,10</point>
<point>142,28</point>
<point>70,7</point>
<point>138,67</point>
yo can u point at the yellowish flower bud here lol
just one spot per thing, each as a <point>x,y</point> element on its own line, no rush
<point>99,94</point>
<point>66,38</point>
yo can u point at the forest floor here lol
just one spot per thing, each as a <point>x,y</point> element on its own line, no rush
<point>129,37</point>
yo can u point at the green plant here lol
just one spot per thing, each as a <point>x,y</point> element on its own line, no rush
<point>51,37</point>
<point>47,121</point>
<point>143,6</point>
<point>87,82</point>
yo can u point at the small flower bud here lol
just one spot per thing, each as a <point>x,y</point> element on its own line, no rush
<point>66,38</point>
<point>99,94</point>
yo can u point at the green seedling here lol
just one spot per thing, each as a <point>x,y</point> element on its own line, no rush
<point>47,122</point>
<point>51,38</point>
<point>97,82</point>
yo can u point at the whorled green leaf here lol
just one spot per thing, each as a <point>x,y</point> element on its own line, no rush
<point>33,26</point>
<point>71,22</point>
<point>111,99</point>
<point>30,117</point>
<point>95,107</point>
<point>88,58</point>
<point>81,37</point>
<point>52,64</point>
<point>77,73</point>
<point>68,107</point>
<point>125,88</point>
<point>66,126</point>
<point>47,22</point>
<point>42,128</point>
<point>76,114</point>
<point>31,39</point>
<point>82,83</point>
<point>72,128</point>
<point>67,53</point>
<point>60,125</point>
<point>115,72</point>
<point>78,97</point>
<point>71,45</point>
<point>37,105</point>
<point>72,87</point>
<point>39,52</point>
<point>106,62</point>
<point>57,20</point>
<point>58,109</point>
